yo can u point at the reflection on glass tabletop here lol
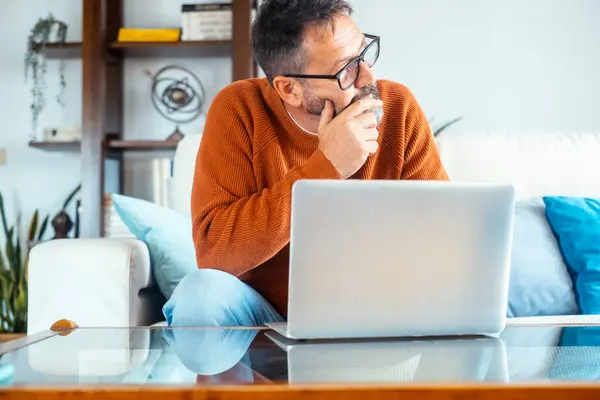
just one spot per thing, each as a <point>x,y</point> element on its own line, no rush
<point>228,356</point>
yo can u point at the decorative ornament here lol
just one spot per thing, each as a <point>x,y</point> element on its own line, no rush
<point>178,95</point>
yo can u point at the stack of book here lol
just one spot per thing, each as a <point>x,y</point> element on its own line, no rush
<point>206,21</point>
<point>113,225</point>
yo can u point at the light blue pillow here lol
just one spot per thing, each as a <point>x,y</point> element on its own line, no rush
<point>539,280</point>
<point>576,223</point>
<point>168,235</point>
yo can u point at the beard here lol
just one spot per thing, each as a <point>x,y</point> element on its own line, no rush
<point>315,104</point>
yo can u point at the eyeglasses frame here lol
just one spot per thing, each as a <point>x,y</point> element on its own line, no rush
<point>358,60</point>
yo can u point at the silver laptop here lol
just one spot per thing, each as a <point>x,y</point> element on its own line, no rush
<point>389,258</point>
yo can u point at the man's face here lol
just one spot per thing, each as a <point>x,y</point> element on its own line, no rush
<point>327,52</point>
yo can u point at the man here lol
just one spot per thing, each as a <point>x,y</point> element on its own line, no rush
<point>319,114</point>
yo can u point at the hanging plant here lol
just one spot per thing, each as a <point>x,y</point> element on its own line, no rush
<point>49,30</point>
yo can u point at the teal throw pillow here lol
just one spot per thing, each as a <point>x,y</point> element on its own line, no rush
<point>168,235</point>
<point>576,224</point>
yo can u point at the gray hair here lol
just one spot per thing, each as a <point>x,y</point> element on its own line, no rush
<point>279,28</point>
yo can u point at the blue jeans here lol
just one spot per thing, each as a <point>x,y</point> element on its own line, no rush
<point>209,297</point>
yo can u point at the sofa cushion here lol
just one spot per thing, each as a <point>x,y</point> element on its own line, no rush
<point>168,235</point>
<point>576,223</point>
<point>184,167</point>
<point>539,280</point>
<point>536,163</point>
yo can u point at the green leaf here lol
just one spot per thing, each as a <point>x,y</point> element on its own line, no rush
<point>4,288</point>
<point>18,261</point>
<point>13,252</point>
<point>25,275</point>
<point>9,248</point>
<point>20,305</point>
<point>2,264</point>
<point>71,196</point>
<point>10,254</point>
<point>446,126</point>
<point>12,289</point>
<point>3,215</point>
<point>6,296</point>
<point>6,274</point>
<point>33,226</point>
<point>43,228</point>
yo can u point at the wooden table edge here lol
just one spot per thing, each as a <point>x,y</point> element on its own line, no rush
<point>574,391</point>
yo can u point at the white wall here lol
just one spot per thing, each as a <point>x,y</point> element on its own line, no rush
<point>32,178</point>
<point>504,65</point>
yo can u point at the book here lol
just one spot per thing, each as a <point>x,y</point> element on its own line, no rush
<point>148,35</point>
<point>206,21</point>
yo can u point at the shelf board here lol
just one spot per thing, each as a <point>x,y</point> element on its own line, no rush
<point>69,50</point>
<point>142,145</point>
<point>111,145</point>
<point>56,146</point>
<point>72,50</point>
<point>167,49</point>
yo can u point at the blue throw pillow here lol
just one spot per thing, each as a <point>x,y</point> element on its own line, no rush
<point>576,223</point>
<point>539,280</point>
<point>168,235</point>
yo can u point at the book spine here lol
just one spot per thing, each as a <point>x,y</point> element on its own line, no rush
<point>206,7</point>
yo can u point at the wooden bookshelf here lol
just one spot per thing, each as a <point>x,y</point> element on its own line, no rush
<point>69,50</point>
<point>102,62</point>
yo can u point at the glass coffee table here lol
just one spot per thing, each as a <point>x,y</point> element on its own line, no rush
<point>551,361</point>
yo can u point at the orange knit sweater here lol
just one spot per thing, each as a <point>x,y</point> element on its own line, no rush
<point>250,155</point>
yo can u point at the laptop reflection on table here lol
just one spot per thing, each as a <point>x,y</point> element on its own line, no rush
<point>455,360</point>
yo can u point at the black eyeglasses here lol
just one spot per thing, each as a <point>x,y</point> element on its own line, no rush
<point>349,74</point>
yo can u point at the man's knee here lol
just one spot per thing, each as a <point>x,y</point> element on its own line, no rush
<point>203,298</point>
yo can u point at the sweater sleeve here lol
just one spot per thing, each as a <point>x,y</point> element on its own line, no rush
<point>236,227</point>
<point>422,159</point>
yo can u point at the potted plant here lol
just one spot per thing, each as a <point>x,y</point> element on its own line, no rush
<point>14,259</point>
<point>48,30</point>
<point>13,273</point>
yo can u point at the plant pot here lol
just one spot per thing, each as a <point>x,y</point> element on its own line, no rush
<point>7,337</point>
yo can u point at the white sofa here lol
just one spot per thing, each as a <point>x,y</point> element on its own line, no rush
<point>108,283</point>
